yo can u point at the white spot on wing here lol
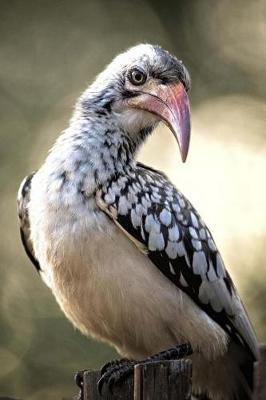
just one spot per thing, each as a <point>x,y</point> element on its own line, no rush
<point>212,293</point>
<point>211,273</point>
<point>142,181</point>
<point>115,188</point>
<point>180,217</point>
<point>176,207</point>
<point>122,182</point>
<point>211,245</point>
<point>165,217</point>
<point>193,233</point>
<point>202,234</point>
<point>180,249</point>
<point>203,293</point>
<point>171,249</point>
<point>173,233</point>
<point>136,187</point>
<point>145,202</point>
<point>156,197</point>
<point>132,198</point>
<point>199,263</point>
<point>194,220</point>
<point>196,244</point>
<point>220,266</point>
<point>156,226</point>
<point>182,202</point>
<point>109,198</point>
<point>140,210</point>
<point>149,222</point>
<point>135,218</point>
<point>155,189</point>
<point>156,241</point>
<point>123,205</point>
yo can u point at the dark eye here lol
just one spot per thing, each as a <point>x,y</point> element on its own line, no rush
<point>137,76</point>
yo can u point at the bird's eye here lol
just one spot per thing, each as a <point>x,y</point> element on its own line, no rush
<point>137,77</point>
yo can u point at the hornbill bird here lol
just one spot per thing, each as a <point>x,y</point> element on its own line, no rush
<point>126,255</point>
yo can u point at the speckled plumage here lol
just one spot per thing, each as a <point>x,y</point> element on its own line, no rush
<point>125,253</point>
<point>177,241</point>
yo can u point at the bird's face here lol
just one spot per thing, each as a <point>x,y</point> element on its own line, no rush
<point>146,85</point>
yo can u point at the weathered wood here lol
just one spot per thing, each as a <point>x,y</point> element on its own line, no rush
<point>120,392</point>
<point>260,375</point>
<point>168,380</point>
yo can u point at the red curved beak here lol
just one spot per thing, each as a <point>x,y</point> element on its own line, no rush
<point>170,103</point>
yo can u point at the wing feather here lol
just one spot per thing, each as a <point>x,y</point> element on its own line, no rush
<point>22,206</point>
<point>167,229</point>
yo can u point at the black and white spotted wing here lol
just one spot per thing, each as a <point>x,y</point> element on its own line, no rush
<point>172,234</point>
<point>22,203</point>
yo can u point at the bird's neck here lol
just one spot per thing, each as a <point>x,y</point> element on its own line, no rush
<point>91,152</point>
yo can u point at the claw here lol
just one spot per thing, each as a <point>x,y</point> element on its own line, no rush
<point>105,367</point>
<point>107,380</point>
<point>100,384</point>
<point>111,383</point>
<point>113,373</point>
<point>108,366</point>
<point>112,364</point>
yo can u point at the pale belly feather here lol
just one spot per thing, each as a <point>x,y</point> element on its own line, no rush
<point>113,292</point>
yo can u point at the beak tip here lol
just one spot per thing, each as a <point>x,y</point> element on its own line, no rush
<point>184,157</point>
<point>184,145</point>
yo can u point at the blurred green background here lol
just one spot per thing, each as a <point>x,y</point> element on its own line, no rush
<point>49,51</point>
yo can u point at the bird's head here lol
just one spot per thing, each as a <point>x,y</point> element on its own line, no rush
<point>138,89</point>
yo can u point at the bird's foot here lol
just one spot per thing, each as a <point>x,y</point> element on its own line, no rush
<point>117,371</point>
<point>174,353</point>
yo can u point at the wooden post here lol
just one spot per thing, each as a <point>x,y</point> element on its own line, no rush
<point>168,380</point>
<point>120,392</point>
